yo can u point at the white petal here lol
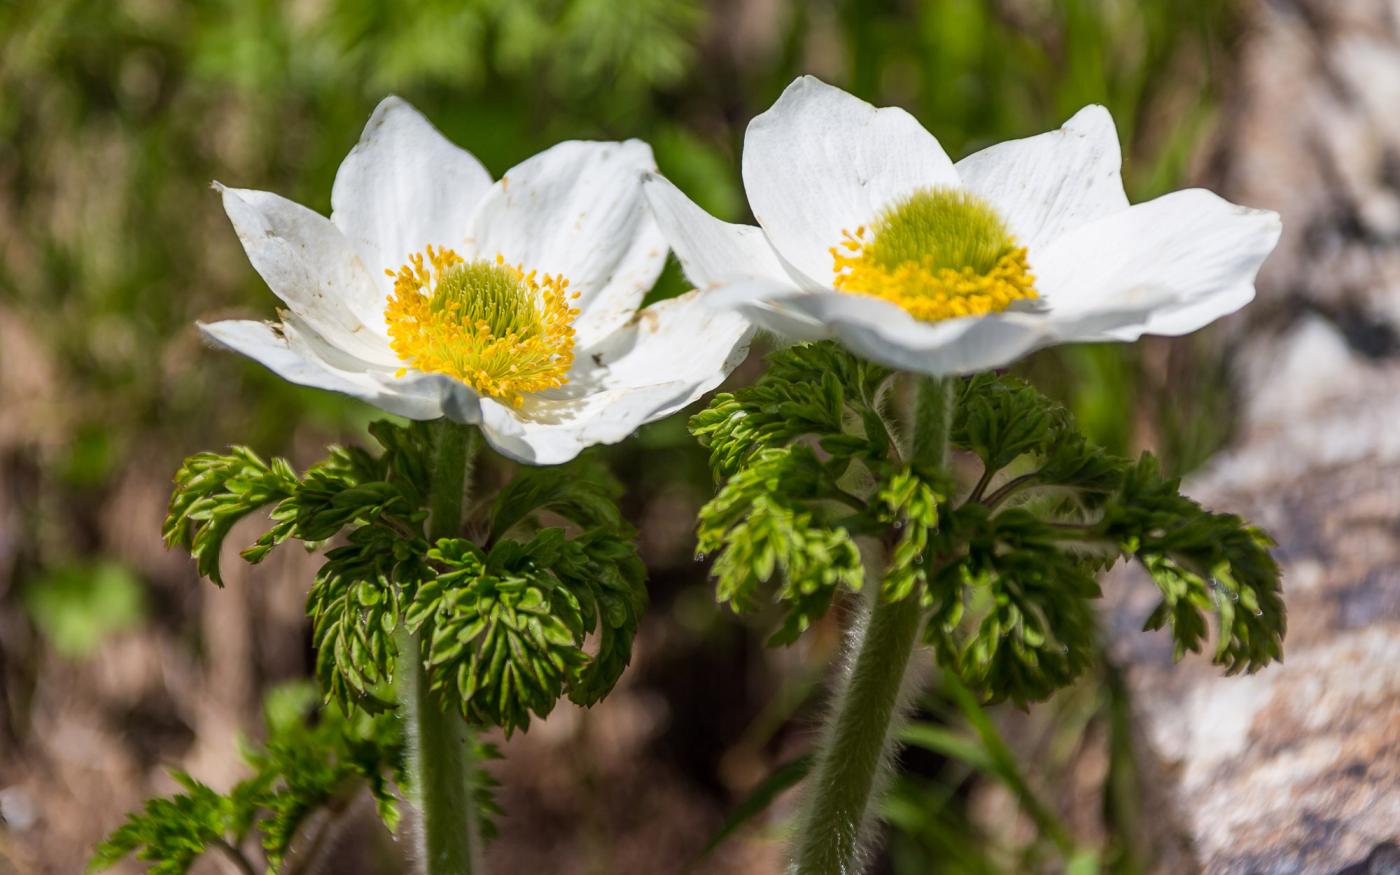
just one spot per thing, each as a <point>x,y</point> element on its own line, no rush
<point>1191,254</point>
<point>667,357</point>
<point>712,252</point>
<point>884,332</point>
<point>1051,183</point>
<point>576,209</point>
<point>820,161</point>
<point>1177,319</point>
<point>310,265</point>
<point>682,339</point>
<point>770,306</point>
<point>293,357</point>
<point>553,431</point>
<point>403,186</point>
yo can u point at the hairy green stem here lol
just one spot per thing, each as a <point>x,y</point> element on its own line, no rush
<point>439,742</point>
<point>933,417</point>
<point>859,739</point>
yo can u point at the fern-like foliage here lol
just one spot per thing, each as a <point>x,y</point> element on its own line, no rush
<point>811,465</point>
<point>507,626</point>
<point>311,760</point>
<point>504,618</point>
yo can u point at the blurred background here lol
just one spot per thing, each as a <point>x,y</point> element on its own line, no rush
<point>117,662</point>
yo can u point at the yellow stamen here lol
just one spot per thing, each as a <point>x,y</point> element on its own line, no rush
<point>503,331</point>
<point>939,254</point>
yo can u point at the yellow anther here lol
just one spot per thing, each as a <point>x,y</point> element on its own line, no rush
<point>939,254</point>
<point>505,332</point>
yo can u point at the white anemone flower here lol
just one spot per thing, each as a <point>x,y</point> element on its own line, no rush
<point>869,233</point>
<point>432,291</point>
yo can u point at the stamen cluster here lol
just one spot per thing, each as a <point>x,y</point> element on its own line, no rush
<point>502,330</point>
<point>939,254</point>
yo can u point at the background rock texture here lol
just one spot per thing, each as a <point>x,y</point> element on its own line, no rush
<point>1297,769</point>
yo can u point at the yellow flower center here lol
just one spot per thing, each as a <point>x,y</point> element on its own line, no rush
<point>492,325</point>
<point>939,253</point>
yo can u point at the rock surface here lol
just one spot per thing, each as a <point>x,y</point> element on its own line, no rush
<point>1297,769</point>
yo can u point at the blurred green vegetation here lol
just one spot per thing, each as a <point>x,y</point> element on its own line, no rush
<point>116,116</point>
<point>76,606</point>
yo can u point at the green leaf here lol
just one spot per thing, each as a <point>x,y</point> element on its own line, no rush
<point>355,605</point>
<point>506,628</point>
<point>1013,615</point>
<point>310,761</point>
<point>1203,563</point>
<point>213,492</point>
<point>810,389</point>
<point>759,526</point>
<point>1002,418</point>
<point>170,833</point>
<point>580,493</point>
<point>781,779</point>
<point>911,502</point>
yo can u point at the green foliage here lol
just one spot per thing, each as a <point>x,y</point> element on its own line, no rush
<point>1001,419</point>
<point>912,505</point>
<point>213,492</point>
<point>355,605</point>
<point>810,463</point>
<point>787,446</point>
<point>171,833</point>
<point>1204,563</point>
<point>310,761</point>
<point>75,607</point>
<point>579,493</point>
<point>763,521</point>
<point>1028,600</point>
<point>505,623</point>
<point>507,626</point>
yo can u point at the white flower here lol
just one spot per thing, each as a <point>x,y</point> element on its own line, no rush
<point>432,291</point>
<point>870,234</point>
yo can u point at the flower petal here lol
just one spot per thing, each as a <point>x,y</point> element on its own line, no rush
<point>883,332</point>
<point>553,431</point>
<point>771,307</point>
<point>820,160</point>
<point>403,186</point>
<point>683,339</point>
<point>712,252</point>
<point>1190,253</point>
<point>293,356</point>
<point>576,209</point>
<point>310,265</point>
<point>615,389</point>
<point>1051,183</point>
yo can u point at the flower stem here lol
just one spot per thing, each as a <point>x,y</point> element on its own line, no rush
<point>859,738</point>
<point>857,742</point>
<point>439,741</point>
<point>933,418</point>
